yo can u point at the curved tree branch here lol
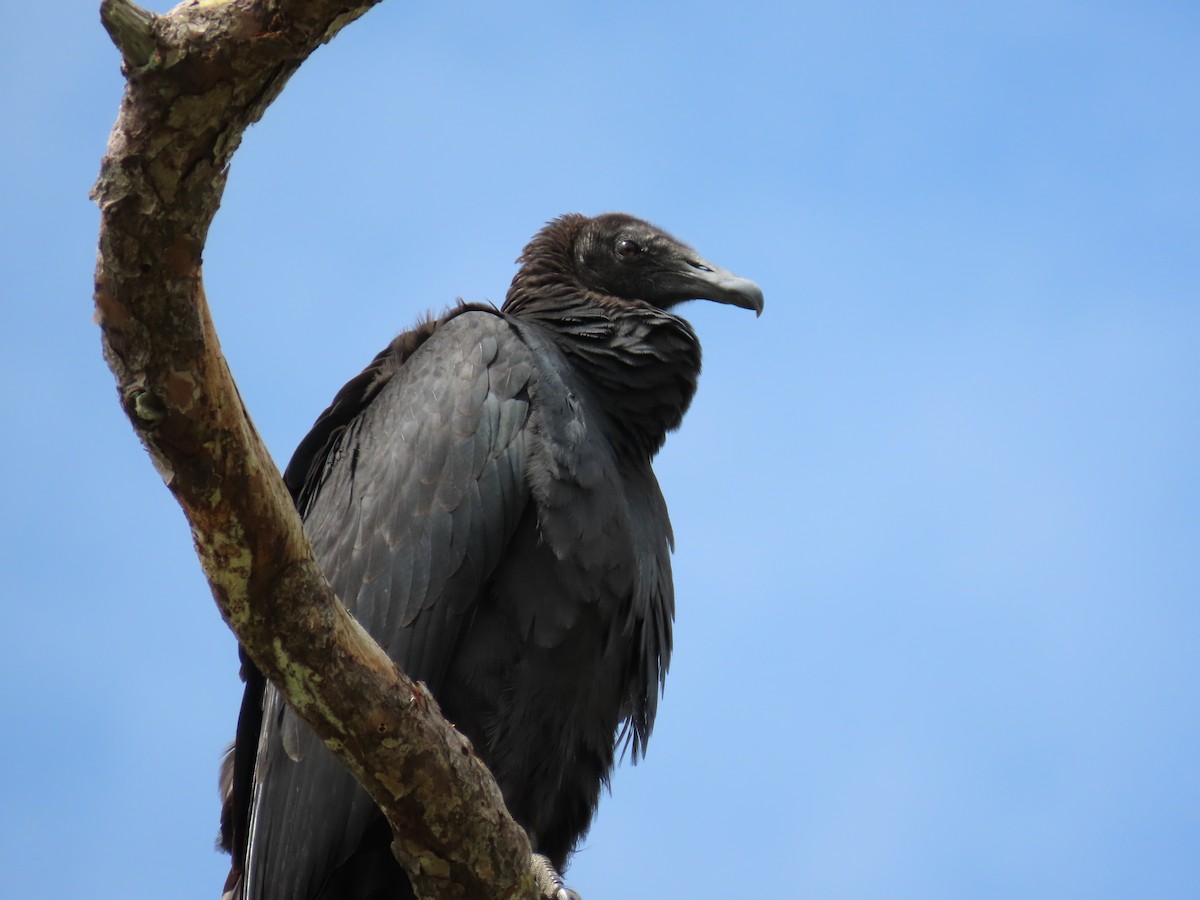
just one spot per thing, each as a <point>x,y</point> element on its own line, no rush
<point>196,78</point>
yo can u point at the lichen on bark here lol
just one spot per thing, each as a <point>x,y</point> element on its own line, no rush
<point>197,77</point>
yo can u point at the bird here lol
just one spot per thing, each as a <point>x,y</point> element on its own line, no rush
<point>481,498</point>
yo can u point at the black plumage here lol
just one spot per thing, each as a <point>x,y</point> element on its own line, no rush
<point>481,499</point>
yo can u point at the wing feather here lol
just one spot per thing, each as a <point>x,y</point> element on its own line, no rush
<point>417,496</point>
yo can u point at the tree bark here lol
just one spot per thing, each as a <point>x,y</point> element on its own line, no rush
<point>196,78</point>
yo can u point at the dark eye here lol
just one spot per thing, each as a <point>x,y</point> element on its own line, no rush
<point>627,248</point>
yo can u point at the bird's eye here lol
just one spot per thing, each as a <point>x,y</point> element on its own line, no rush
<point>627,248</point>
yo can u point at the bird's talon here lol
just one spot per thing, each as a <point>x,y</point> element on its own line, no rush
<point>549,882</point>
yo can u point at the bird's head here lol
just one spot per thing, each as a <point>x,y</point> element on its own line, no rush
<point>631,259</point>
<point>620,256</point>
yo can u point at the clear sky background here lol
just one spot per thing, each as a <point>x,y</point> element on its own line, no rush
<point>938,566</point>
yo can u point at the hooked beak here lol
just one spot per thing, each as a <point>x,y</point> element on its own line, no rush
<point>698,279</point>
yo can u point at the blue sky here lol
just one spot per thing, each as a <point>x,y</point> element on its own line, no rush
<point>938,584</point>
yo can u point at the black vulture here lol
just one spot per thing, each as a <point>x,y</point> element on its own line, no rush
<point>481,499</point>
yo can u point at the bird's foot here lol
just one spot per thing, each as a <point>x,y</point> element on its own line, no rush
<point>550,883</point>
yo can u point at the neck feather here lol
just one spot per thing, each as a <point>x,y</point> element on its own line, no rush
<point>641,362</point>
